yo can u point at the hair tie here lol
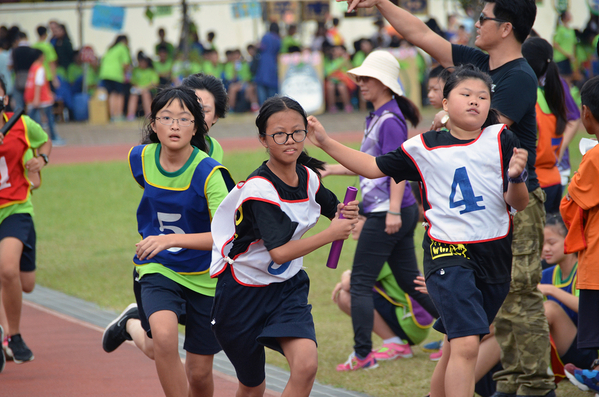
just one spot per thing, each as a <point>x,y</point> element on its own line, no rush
<point>548,60</point>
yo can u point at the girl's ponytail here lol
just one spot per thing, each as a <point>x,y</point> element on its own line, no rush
<point>408,109</point>
<point>311,162</point>
<point>492,118</point>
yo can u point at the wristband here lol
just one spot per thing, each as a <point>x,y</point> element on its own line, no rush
<point>45,157</point>
<point>393,213</point>
<point>523,177</point>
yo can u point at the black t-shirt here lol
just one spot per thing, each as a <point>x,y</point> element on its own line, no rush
<point>491,261</point>
<point>267,221</point>
<point>514,95</point>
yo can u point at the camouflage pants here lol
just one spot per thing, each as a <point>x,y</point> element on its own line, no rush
<point>521,327</point>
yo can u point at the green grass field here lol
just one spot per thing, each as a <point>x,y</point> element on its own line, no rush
<point>86,228</point>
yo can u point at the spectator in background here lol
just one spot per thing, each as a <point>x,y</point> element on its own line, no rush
<point>381,38</point>
<point>461,37</point>
<point>64,49</point>
<point>39,98</point>
<point>238,81</point>
<point>291,43</point>
<point>76,77</point>
<point>333,34</point>
<point>210,44</point>
<point>50,56</point>
<point>364,48</point>
<point>113,66</point>
<point>5,61</point>
<point>320,40</point>
<point>163,66</point>
<point>143,80</point>
<point>337,80</point>
<point>23,57</point>
<point>564,46</point>
<point>211,64</point>
<point>170,49</point>
<point>267,73</point>
<point>196,45</point>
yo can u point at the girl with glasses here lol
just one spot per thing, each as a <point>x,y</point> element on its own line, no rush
<point>262,292</point>
<point>183,186</point>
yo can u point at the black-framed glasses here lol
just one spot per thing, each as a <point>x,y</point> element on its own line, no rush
<point>281,138</point>
<point>482,18</point>
<point>183,121</point>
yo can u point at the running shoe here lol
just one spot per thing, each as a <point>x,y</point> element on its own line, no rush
<point>584,379</point>
<point>5,347</point>
<point>18,350</point>
<point>353,363</point>
<point>432,347</point>
<point>116,332</point>
<point>392,351</point>
<point>2,356</point>
<point>436,356</point>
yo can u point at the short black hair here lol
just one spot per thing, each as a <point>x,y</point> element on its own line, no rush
<point>201,81</point>
<point>589,96</point>
<point>41,30</point>
<point>520,13</point>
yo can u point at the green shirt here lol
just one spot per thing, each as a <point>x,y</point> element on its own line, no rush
<point>566,38</point>
<point>209,68</point>
<point>144,78</point>
<point>237,71</point>
<point>215,150</point>
<point>49,56</point>
<point>403,306</point>
<point>164,69</point>
<point>216,191</point>
<point>170,49</point>
<point>112,66</point>
<point>37,137</point>
<point>287,42</point>
<point>358,59</point>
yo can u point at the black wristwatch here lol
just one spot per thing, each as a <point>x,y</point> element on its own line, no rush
<point>45,157</point>
<point>520,178</point>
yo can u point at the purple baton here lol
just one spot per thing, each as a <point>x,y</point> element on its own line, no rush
<point>333,260</point>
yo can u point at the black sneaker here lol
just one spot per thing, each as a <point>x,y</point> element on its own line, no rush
<point>2,356</point>
<point>18,350</point>
<point>116,332</point>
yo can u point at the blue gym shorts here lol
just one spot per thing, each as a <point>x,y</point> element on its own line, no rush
<point>246,319</point>
<point>466,305</point>
<point>159,292</point>
<point>20,226</point>
<point>588,321</point>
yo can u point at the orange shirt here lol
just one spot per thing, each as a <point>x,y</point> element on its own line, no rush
<point>548,145</point>
<point>584,191</point>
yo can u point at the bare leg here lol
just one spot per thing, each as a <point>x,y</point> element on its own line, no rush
<point>199,375</point>
<point>438,378</point>
<point>140,337</point>
<point>489,354</point>
<point>171,372</point>
<point>119,105</point>
<point>459,375</point>
<point>344,94</point>
<point>233,91</point>
<point>380,327</point>
<point>330,96</point>
<point>132,105</point>
<point>12,297</point>
<point>561,327</point>
<point>302,357</point>
<point>146,102</point>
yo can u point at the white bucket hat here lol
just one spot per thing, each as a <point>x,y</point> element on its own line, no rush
<point>382,66</point>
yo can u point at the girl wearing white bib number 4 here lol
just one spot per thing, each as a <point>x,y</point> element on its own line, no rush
<point>470,177</point>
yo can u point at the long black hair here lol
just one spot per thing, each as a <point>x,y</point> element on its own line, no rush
<point>469,71</point>
<point>187,98</point>
<point>408,109</point>
<point>201,81</point>
<point>539,54</point>
<point>278,104</point>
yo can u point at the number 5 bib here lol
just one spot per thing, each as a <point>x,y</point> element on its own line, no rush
<point>464,188</point>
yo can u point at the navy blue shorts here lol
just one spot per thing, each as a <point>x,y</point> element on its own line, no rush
<point>466,305</point>
<point>588,321</point>
<point>20,226</point>
<point>192,309</point>
<point>387,310</point>
<point>114,86</point>
<point>246,319</point>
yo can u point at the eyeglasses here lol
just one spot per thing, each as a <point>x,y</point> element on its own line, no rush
<point>183,122</point>
<point>363,79</point>
<point>281,138</point>
<point>482,18</point>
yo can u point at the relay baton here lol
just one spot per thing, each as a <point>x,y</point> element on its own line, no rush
<point>11,122</point>
<point>350,195</point>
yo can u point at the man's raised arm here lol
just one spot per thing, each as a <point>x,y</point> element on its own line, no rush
<point>411,28</point>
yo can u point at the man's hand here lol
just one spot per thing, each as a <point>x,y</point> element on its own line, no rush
<point>353,4</point>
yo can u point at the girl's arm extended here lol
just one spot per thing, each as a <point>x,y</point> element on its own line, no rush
<point>571,301</point>
<point>152,245</point>
<point>339,229</point>
<point>517,193</point>
<point>354,160</point>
